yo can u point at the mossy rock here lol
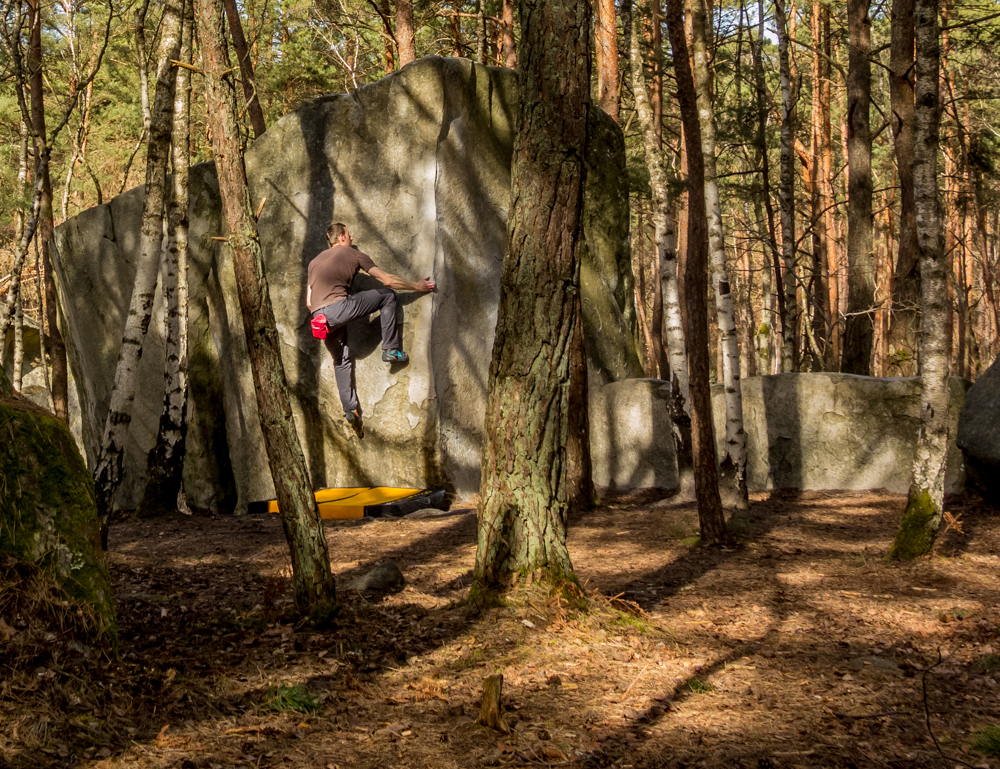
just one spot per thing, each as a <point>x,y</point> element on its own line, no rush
<point>48,516</point>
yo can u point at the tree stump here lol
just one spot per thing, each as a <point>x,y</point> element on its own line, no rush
<point>491,710</point>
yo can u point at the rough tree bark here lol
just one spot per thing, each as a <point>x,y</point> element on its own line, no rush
<point>46,224</point>
<point>606,55</point>
<point>108,467</point>
<point>522,516</point>
<point>859,327</point>
<point>406,39</point>
<point>312,581</point>
<point>710,514</point>
<point>819,202</point>
<point>786,193</point>
<point>166,459</point>
<point>665,237</point>
<point>732,465</point>
<point>905,324</point>
<point>925,501</point>
<point>509,51</point>
<point>242,52</point>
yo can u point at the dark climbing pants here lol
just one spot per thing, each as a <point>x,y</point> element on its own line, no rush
<point>339,314</point>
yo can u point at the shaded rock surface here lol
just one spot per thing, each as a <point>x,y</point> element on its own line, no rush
<point>836,431</point>
<point>48,516</point>
<point>979,433</point>
<point>418,166</point>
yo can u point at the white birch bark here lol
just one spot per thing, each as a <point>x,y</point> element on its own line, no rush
<point>732,463</point>
<point>787,193</point>
<point>18,361</point>
<point>925,502</point>
<point>664,228</point>
<point>108,469</point>
<point>21,251</point>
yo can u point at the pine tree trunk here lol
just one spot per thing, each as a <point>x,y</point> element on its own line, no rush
<point>710,515</point>
<point>818,200</point>
<point>606,55</point>
<point>405,32</point>
<point>481,31</point>
<point>925,501</point>
<point>108,467</point>
<point>905,325</point>
<point>166,460</point>
<point>522,515</point>
<point>312,580</point>
<point>732,464</point>
<point>242,52</point>
<point>665,236</point>
<point>509,51</point>
<point>789,316</point>
<point>60,374</point>
<point>859,326</point>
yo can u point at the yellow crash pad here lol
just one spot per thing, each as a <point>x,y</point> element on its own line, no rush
<point>335,504</point>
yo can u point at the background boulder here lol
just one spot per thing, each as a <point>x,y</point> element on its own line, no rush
<point>979,433</point>
<point>836,431</point>
<point>418,166</point>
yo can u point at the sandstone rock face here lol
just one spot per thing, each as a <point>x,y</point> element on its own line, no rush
<point>631,436</point>
<point>979,433</point>
<point>48,516</point>
<point>418,166</point>
<point>836,431</point>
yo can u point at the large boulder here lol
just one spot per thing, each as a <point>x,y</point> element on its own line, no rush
<point>836,431</point>
<point>48,517</point>
<point>979,433</point>
<point>418,166</point>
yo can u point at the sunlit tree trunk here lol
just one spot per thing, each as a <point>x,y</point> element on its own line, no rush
<point>606,56</point>
<point>108,467</point>
<point>242,52</point>
<point>732,464</point>
<point>509,52</point>
<point>311,578</point>
<point>525,495</point>
<point>710,514</point>
<point>819,201</point>
<point>166,460</point>
<point>405,32</point>
<point>789,319</point>
<point>925,501</point>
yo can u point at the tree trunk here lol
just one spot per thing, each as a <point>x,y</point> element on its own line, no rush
<point>246,68</point>
<point>789,318</point>
<point>665,236</point>
<point>819,201</point>
<point>606,55</point>
<point>859,326</point>
<point>405,32</point>
<point>905,325</point>
<point>656,84</point>
<point>108,467</point>
<point>732,465</point>
<point>509,52</point>
<point>60,374</point>
<point>166,460</point>
<point>525,500</point>
<point>312,580</point>
<point>925,501</point>
<point>481,31</point>
<point>710,514</point>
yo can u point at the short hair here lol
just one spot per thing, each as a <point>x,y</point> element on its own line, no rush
<point>334,231</point>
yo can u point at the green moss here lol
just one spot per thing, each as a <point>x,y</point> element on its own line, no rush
<point>48,515</point>
<point>987,742</point>
<point>918,528</point>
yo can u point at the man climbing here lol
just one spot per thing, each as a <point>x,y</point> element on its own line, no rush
<point>329,291</point>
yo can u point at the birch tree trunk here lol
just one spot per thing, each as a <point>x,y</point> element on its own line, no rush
<point>312,580</point>
<point>665,237</point>
<point>732,464</point>
<point>108,467</point>
<point>789,318</point>
<point>925,501</point>
<point>166,460</point>
<point>859,327</point>
<point>405,32</point>
<point>522,515</point>
<point>710,515</point>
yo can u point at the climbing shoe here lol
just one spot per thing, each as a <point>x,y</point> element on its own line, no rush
<point>354,420</point>
<point>395,356</point>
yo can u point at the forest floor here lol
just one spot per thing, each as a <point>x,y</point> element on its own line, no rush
<point>801,647</point>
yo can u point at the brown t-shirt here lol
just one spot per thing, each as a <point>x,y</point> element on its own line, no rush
<point>331,273</point>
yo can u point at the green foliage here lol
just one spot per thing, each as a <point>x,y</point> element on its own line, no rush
<point>295,698</point>
<point>698,686</point>
<point>987,742</point>
<point>988,663</point>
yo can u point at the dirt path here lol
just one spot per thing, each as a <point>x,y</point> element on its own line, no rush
<point>800,648</point>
